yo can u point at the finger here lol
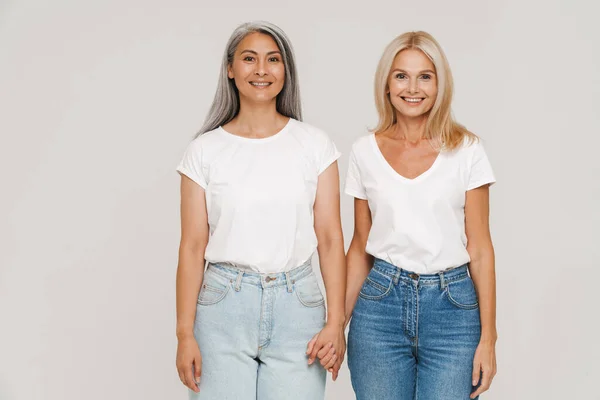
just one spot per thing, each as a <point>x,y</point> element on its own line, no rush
<point>476,373</point>
<point>325,359</point>
<point>485,384</point>
<point>313,353</point>
<point>336,369</point>
<point>337,365</point>
<point>197,370</point>
<point>325,350</point>
<point>189,378</point>
<point>331,362</point>
<point>311,344</point>
<point>181,376</point>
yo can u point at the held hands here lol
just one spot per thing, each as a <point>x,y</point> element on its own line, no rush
<point>329,346</point>
<point>484,367</point>
<point>189,362</point>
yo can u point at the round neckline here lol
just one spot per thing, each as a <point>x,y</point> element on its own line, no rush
<point>258,140</point>
<point>395,173</point>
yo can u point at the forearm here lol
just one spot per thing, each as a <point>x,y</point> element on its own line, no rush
<point>190,273</point>
<point>333,270</point>
<point>482,269</point>
<point>359,265</point>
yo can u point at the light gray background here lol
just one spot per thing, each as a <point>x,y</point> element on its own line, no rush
<point>98,99</point>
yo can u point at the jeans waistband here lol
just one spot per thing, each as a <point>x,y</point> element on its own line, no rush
<point>265,280</point>
<point>438,278</point>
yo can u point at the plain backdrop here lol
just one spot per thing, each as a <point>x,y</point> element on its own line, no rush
<point>98,100</point>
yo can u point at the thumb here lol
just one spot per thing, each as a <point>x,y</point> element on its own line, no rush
<point>311,344</point>
<point>197,369</point>
<point>476,373</point>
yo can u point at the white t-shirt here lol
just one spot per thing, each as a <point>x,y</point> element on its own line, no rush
<point>417,224</point>
<point>260,194</point>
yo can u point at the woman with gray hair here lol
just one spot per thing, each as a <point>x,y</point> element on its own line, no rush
<point>259,191</point>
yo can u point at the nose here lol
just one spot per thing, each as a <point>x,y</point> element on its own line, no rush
<point>414,86</point>
<point>260,68</point>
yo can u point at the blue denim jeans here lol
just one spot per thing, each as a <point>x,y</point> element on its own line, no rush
<point>414,336</point>
<point>253,330</point>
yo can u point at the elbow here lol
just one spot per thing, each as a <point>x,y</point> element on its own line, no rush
<point>481,253</point>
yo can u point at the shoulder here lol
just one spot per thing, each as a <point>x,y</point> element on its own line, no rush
<point>307,132</point>
<point>468,147</point>
<point>206,141</point>
<point>363,144</point>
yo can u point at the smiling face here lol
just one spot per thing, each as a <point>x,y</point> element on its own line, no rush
<point>257,68</point>
<point>412,84</point>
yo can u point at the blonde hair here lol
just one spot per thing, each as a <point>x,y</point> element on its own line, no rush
<point>441,127</point>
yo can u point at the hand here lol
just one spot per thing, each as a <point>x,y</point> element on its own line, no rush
<point>484,367</point>
<point>189,362</point>
<point>329,346</point>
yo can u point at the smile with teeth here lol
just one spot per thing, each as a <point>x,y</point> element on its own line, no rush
<point>260,84</point>
<point>413,99</point>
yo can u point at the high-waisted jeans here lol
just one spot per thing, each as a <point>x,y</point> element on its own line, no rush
<point>414,336</point>
<point>253,330</point>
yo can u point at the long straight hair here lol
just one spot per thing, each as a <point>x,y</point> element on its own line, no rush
<point>441,128</point>
<point>226,104</point>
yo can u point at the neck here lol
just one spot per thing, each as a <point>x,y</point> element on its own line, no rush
<point>258,118</point>
<point>410,129</point>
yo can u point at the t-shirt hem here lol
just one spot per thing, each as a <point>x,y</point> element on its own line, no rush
<point>330,161</point>
<point>480,183</point>
<point>355,193</point>
<point>192,176</point>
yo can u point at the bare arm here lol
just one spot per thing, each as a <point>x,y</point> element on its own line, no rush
<point>329,345</point>
<point>358,261</point>
<point>328,228</point>
<point>190,272</point>
<point>481,252</point>
<point>482,269</point>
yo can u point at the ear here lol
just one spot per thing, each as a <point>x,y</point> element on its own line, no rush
<point>229,71</point>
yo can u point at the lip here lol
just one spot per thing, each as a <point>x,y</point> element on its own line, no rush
<point>262,84</point>
<point>413,103</point>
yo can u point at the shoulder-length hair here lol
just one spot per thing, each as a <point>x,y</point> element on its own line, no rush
<point>441,127</point>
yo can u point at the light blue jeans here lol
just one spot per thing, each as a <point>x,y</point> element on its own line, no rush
<point>253,330</point>
<point>414,336</point>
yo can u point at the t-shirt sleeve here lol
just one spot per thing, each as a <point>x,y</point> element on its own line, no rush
<point>480,171</point>
<point>354,186</point>
<point>191,164</point>
<point>328,153</point>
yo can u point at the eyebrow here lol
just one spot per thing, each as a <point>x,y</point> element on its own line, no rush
<point>428,71</point>
<point>254,52</point>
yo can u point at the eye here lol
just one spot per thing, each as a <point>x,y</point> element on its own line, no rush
<point>400,75</point>
<point>426,77</point>
<point>248,58</point>
<point>273,59</point>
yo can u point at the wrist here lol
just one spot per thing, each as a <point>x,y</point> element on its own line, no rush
<point>336,319</point>
<point>488,338</point>
<point>183,333</point>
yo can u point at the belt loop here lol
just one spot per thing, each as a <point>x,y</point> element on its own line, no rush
<point>288,282</point>
<point>442,281</point>
<point>238,281</point>
<point>397,275</point>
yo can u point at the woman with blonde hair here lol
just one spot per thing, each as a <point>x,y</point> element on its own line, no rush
<point>258,188</point>
<point>421,277</point>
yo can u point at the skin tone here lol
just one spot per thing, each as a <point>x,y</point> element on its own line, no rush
<point>259,74</point>
<point>412,87</point>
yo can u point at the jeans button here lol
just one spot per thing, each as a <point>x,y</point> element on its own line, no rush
<point>413,276</point>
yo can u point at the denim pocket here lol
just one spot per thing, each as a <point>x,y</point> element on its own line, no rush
<point>376,286</point>
<point>308,291</point>
<point>213,290</point>
<point>462,294</point>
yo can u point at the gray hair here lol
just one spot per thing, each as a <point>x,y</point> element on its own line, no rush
<point>226,104</point>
